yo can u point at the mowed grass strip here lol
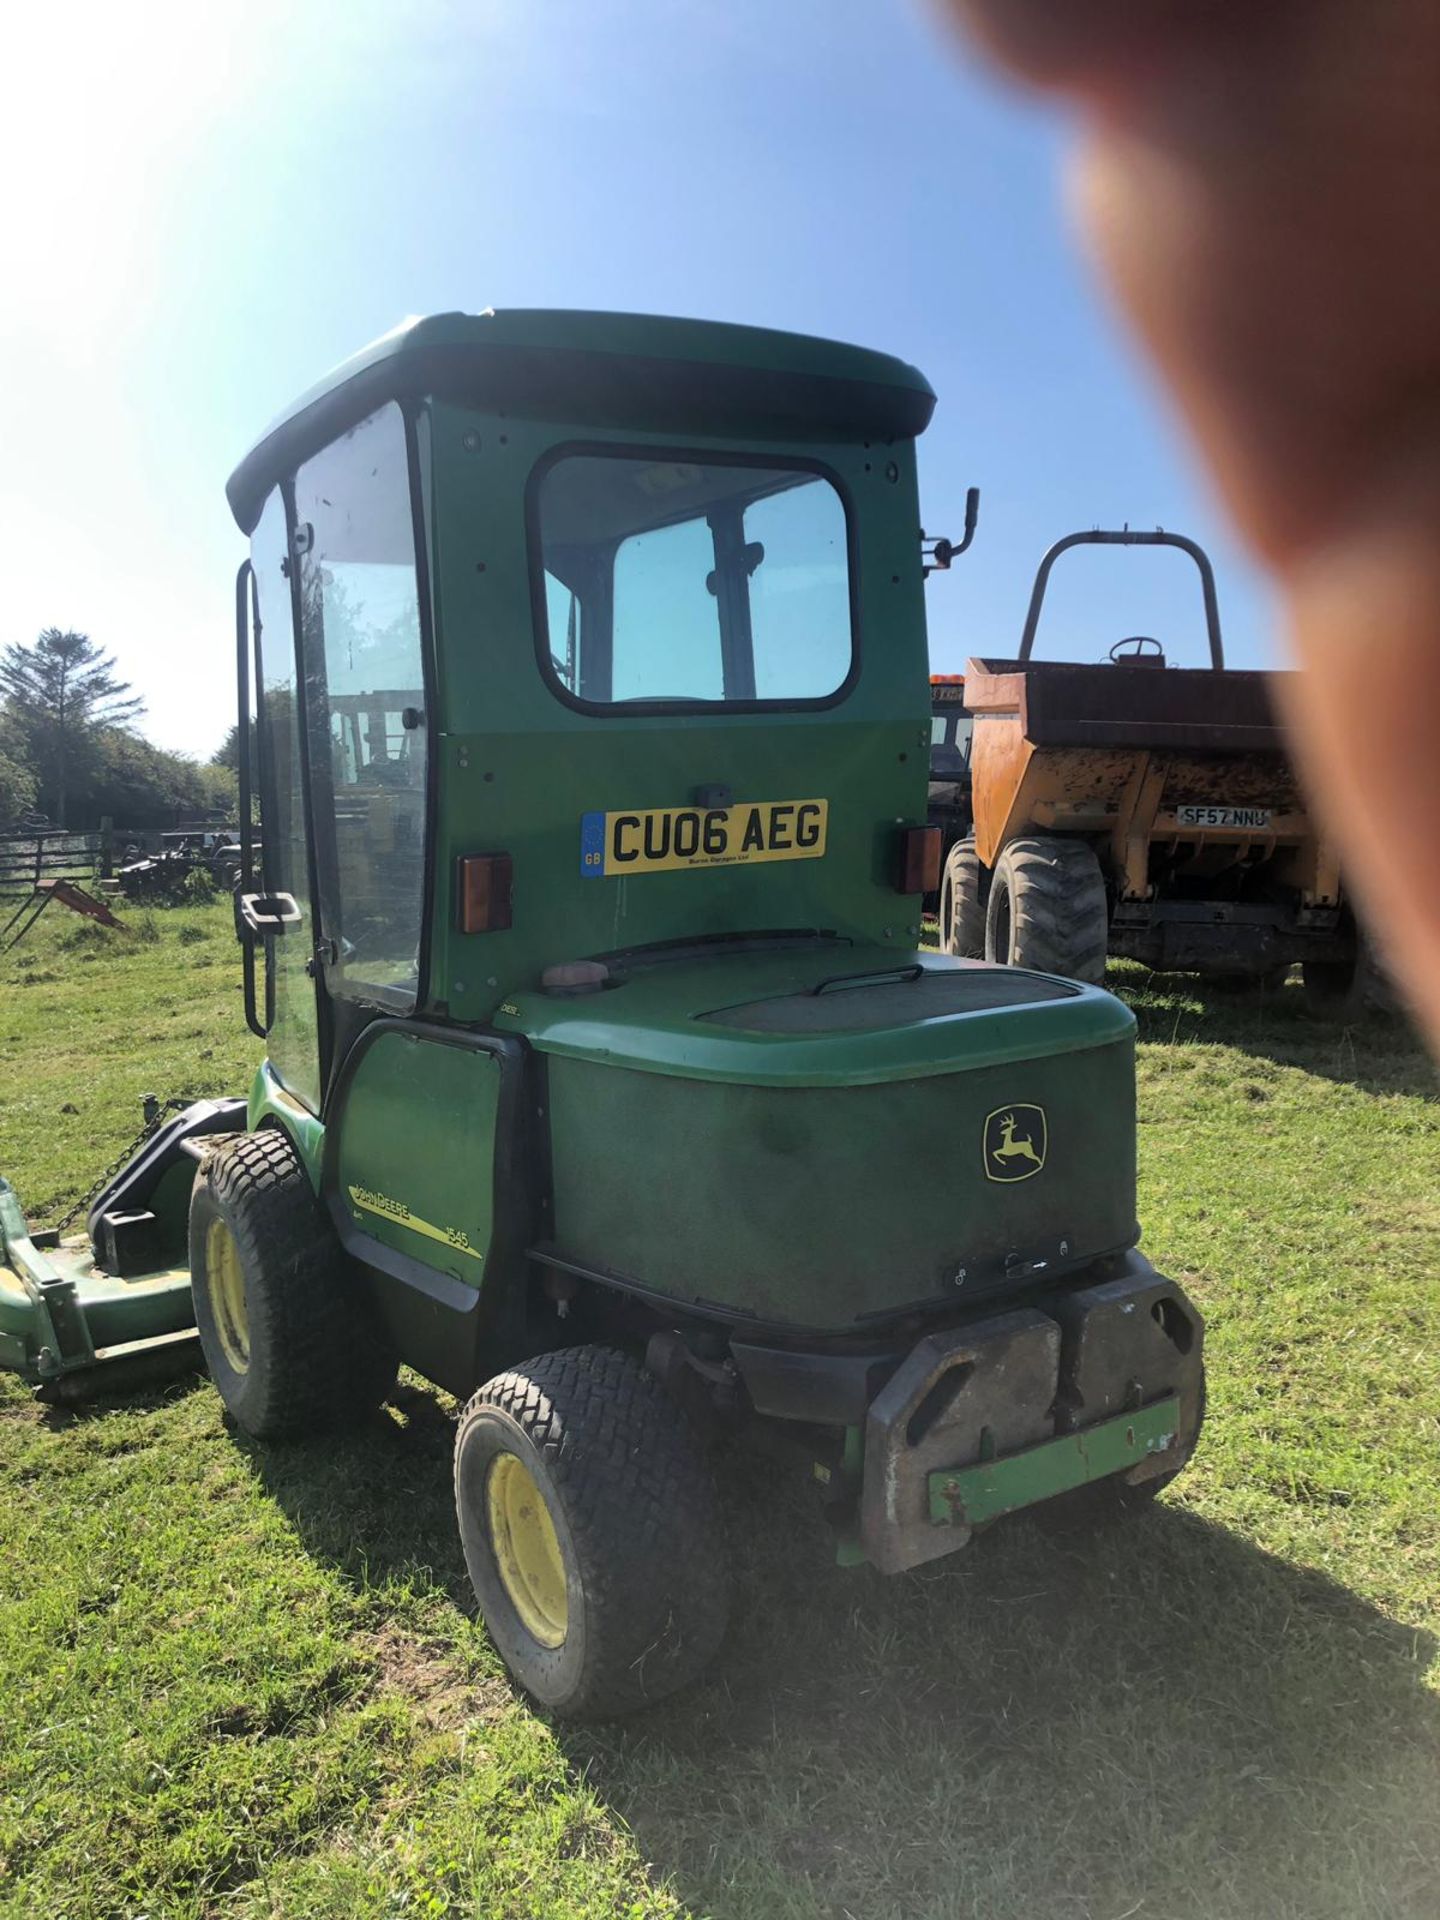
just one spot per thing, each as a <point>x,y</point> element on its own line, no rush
<point>243,1680</point>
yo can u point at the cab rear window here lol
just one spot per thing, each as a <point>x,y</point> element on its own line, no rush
<point>675,582</point>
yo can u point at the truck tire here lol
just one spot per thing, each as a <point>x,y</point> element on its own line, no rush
<point>590,1531</point>
<point>962,903</point>
<point>289,1335</point>
<point>1350,989</point>
<point>1047,909</point>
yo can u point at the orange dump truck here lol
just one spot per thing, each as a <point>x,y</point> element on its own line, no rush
<point>1136,809</point>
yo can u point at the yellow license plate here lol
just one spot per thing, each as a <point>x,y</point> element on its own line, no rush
<point>662,839</point>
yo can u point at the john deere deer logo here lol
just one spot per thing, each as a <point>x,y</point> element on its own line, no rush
<point>1014,1142</point>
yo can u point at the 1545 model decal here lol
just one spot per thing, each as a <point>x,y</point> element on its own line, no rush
<point>396,1210</point>
<point>662,839</point>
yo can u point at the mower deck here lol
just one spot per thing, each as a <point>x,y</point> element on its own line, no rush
<point>61,1314</point>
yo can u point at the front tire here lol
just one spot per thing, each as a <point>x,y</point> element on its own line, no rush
<point>1047,909</point>
<point>962,903</point>
<point>291,1340</point>
<point>590,1531</point>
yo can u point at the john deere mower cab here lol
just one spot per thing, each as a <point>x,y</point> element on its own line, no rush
<point>583,662</point>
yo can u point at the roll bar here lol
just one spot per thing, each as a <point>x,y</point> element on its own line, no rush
<point>1095,537</point>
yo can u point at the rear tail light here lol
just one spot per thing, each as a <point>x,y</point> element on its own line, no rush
<point>917,865</point>
<point>484,885</point>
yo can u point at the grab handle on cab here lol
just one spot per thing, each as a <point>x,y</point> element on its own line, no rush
<point>839,982</point>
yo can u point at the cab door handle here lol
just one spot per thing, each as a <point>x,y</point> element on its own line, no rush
<point>258,915</point>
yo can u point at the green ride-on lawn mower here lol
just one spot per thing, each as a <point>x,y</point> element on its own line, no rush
<point>582,665</point>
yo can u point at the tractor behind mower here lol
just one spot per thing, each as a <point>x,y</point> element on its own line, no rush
<point>582,671</point>
<point>165,874</point>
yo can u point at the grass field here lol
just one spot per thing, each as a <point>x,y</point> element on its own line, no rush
<point>241,1681</point>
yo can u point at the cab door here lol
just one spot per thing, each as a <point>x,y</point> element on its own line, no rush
<point>411,1116</point>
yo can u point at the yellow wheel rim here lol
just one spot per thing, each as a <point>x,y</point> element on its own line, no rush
<point>225,1284</point>
<point>527,1551</point>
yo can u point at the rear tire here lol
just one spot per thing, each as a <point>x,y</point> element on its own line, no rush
<point>612,1591</point>
<point>290,1337</point>
<point>1047,909</point>
<point>1348,990</point>
<point>962,903</point>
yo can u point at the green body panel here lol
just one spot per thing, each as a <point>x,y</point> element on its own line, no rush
<point>973,1495</point>
<point>518,768</point>
<point>818,1206</point>
<point>271,1105</point>
<point>653,1020</point>
<point>416,1164</point>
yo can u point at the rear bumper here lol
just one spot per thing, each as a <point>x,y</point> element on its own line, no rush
<point>1097,1382</point>
<point>1189,936</point>
<point>971,1496</point>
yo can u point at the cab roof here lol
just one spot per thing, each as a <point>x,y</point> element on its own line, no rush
<point>619,369</point>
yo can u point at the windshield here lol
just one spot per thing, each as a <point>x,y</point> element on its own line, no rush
<point>693,583</point>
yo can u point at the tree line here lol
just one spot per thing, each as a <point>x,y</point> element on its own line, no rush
<point>70,753</point>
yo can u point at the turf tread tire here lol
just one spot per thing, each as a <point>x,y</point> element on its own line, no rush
<point>638,1523</point>
<point>962,902</point>
<point>1054,894</point>
<point>318,1356</point>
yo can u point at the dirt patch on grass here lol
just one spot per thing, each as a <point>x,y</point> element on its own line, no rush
<point>431,1680</point>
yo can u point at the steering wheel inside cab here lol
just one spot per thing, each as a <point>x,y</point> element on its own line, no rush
<point>1139,651</point>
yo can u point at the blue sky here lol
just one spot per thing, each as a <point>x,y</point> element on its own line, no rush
<point>207,207</point>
